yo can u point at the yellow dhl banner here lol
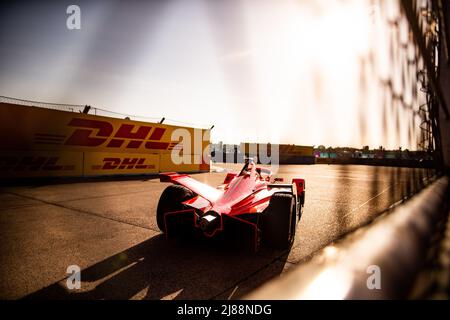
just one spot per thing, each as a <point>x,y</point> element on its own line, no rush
<point>22,164</point>
<point>46,129</point>
<point>43,142</point>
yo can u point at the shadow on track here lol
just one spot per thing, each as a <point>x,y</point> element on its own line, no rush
<point>157,269</point>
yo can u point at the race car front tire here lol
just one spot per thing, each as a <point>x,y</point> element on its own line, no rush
<point>171,200</point>
<point>278,222</point>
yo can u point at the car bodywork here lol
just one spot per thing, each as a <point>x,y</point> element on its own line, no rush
<point>233,208</point>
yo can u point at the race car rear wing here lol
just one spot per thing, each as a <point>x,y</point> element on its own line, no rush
<point>300,183</point>
<point>284,187</point>
<point>280,186</point>
<point>297,186</point>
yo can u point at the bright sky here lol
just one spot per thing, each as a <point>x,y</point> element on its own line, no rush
<point>260,71</point>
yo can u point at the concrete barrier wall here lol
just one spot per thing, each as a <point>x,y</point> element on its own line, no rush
<point>381,261</point>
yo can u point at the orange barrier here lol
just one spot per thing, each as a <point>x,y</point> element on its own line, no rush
<point>41,142</point>
<point>283,149</point>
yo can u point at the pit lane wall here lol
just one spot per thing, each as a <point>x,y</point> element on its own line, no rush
<point>38,142</point>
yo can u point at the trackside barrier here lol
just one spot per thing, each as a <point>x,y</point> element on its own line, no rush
<point>380,261</point>
<point>39,142</point>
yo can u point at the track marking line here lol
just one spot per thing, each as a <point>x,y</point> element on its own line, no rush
<point>232,293</point>
<point>360,206</point>
<point>93,214</point>
<point>374,197</point>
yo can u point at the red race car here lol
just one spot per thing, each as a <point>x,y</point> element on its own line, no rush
<point>248,208</point>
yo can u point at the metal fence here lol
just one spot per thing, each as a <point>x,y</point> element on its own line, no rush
<point>77,108</point>
<point>427,24</point>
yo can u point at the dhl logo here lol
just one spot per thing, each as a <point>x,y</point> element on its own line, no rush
<point>94,133</point>
<point>126,163</point>
<point>38,163</point>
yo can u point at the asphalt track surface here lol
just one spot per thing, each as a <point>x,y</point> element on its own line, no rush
<point>108,229</point>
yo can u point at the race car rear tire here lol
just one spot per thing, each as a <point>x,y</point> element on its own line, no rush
<point>278,222</point>
<point>171,200</point>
